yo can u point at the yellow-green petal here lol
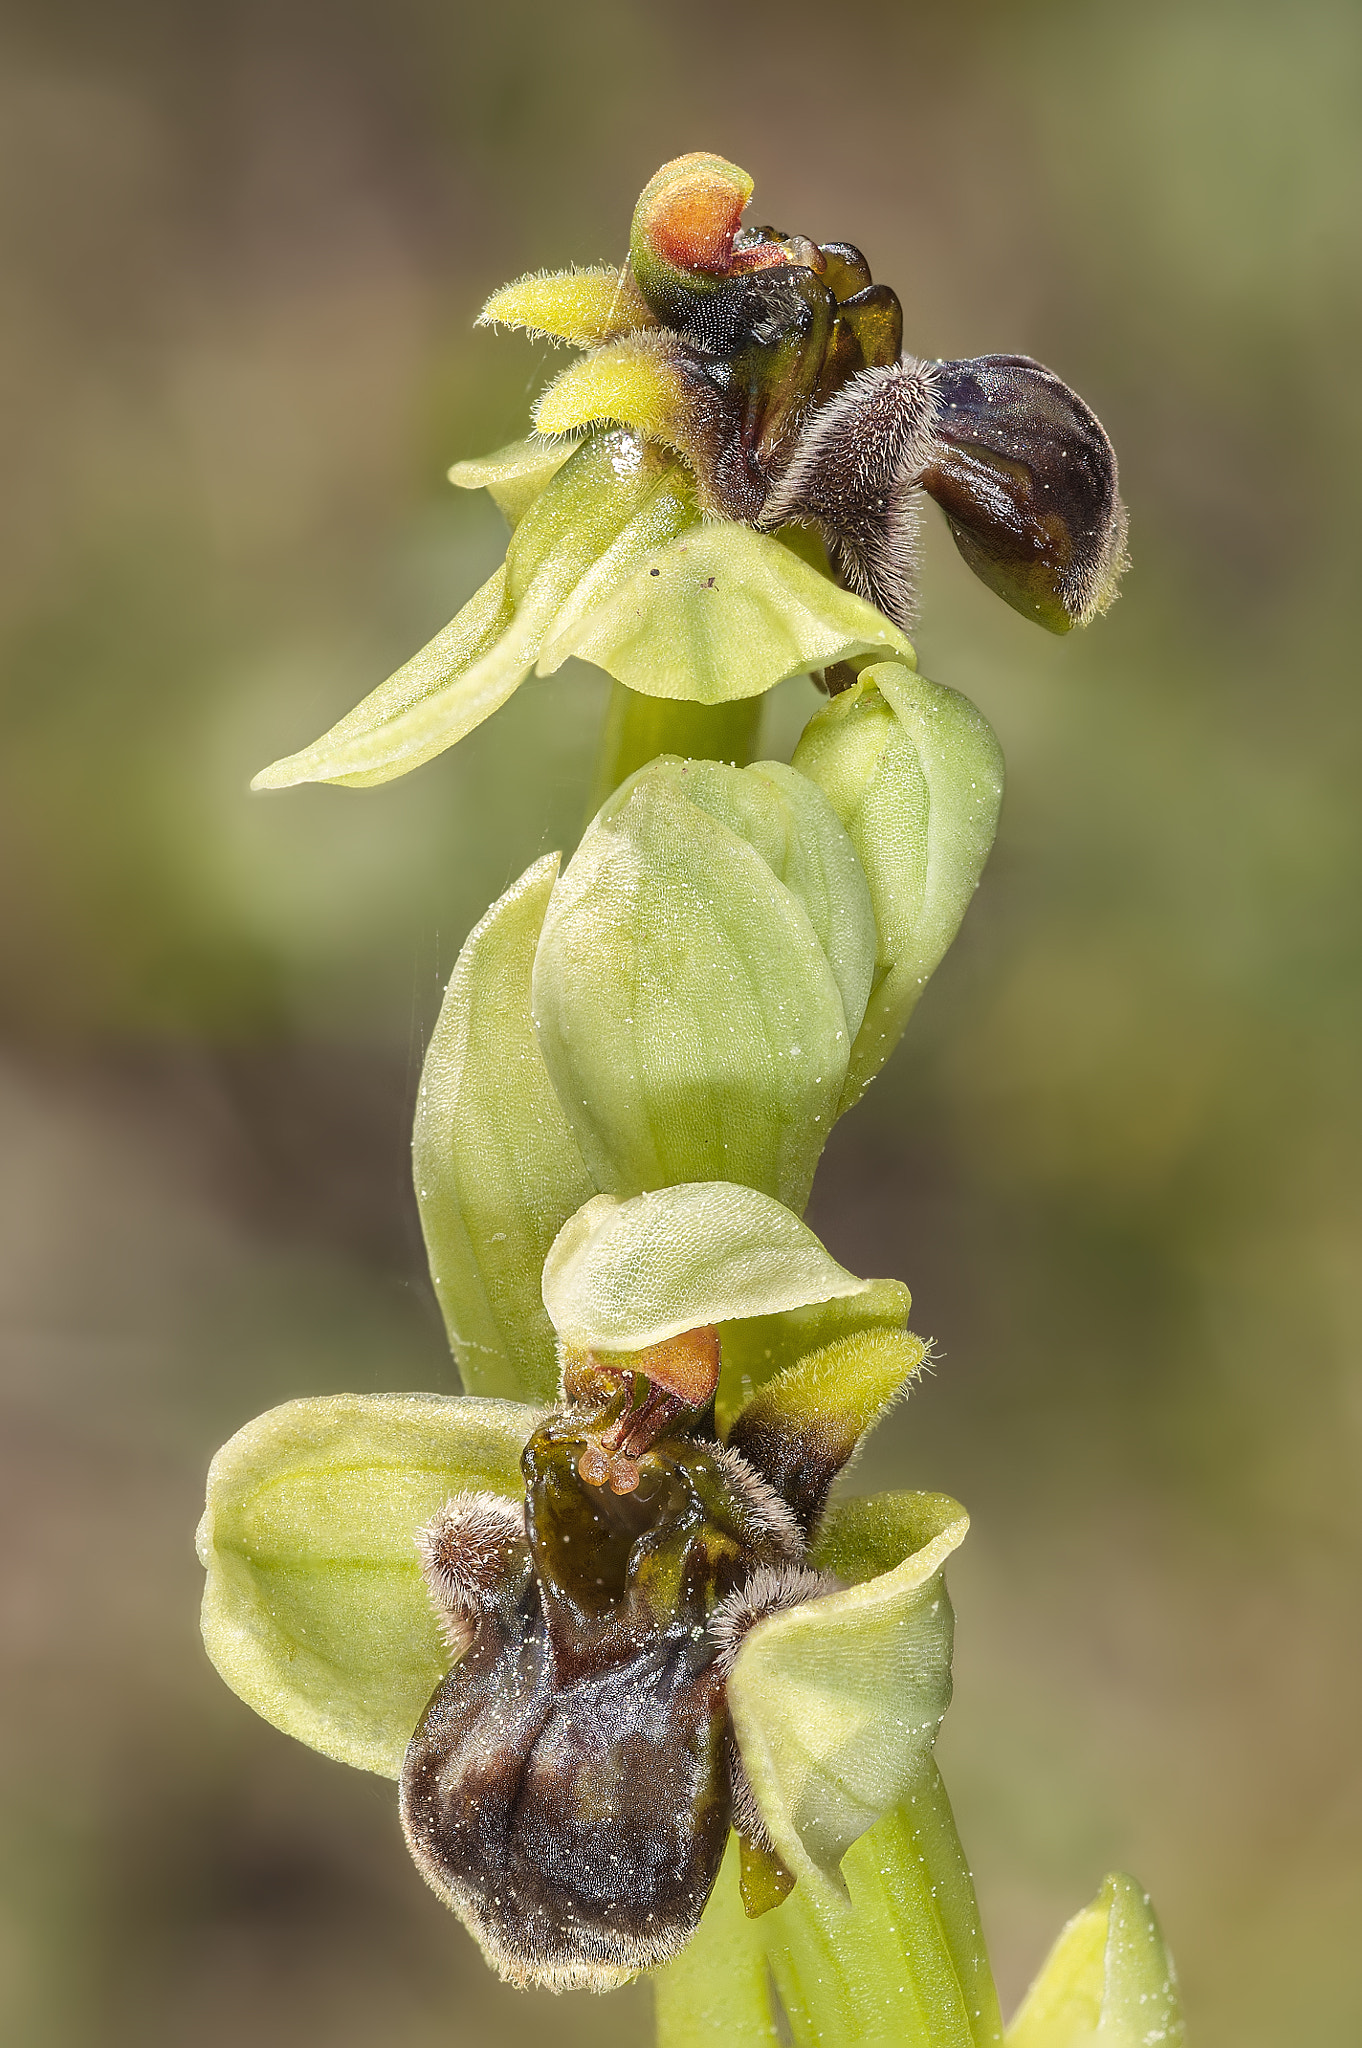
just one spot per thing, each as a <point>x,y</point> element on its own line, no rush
<point>916,775</point>
<point>496,1167</point>
<point>722,612</point>
<point>584,306</point>
<point>757,1347</point>
<point>315,1612</point>
<point>625,1274</point>
<point>1108,1982</point>
<point>836,1705</point>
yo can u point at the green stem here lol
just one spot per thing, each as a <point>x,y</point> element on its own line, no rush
<point>637,729</point>
<point>906,1963</point>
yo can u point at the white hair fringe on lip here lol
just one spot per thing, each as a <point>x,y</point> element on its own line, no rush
<point>855,475</point>
<point>770,1590</point>
<point>769,1510</point>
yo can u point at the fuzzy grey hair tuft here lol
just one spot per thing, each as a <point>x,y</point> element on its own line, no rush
<point>463,1558</point>
<point>855,476</point>
<point>773,1515</point>
<point>770,1590</point>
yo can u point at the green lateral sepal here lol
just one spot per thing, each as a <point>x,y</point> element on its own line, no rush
<point>880,1940</point>
<point>591,570</point>
<point>613,503</point>
<point>722,612</point>
<point>315,1612</point>
<point>836,1703</point>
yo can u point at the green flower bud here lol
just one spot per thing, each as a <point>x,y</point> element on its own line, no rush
<point>1108,1982</point>
<point>702,972</point>
<point>916,776</point>
<point>496,1167</point>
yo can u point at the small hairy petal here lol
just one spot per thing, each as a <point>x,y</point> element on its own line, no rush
<point>585,307</point>
<point>646,382</point>
<point>806,1423</point>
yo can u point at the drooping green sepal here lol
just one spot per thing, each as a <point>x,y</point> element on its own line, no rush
<point>721,613</point>
<point>692,983</point>
<point>1108,1982</point>
<point>916,775</point>
<point>622,1275</point>
<point>836,1703</point>
<point>907,1964</point>
<point>496,1167</point>
<point>590,571</point>
<point>613,503</point>
<point>315,1613</point>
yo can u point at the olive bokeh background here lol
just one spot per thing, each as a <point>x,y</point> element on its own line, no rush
<point>1116,1156</point>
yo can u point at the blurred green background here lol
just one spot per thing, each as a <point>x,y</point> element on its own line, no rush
<point>243,249</point>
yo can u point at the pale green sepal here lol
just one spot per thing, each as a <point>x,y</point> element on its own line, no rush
<point>386,725</point>
<point>625,1274</point>
<point>516,475</point>
<point>614,502</point>
<point>1108,1982</point>
<point>315,1612</point>
<point>722,612</point>
<point>688,1015</point>
<point>496,1167</point>
<point>916,775</point>
<point>757,1348</point>
<point>836,1704</point>
<point>906,1968</point>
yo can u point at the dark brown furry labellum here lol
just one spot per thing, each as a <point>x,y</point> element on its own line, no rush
<point>570,1787</point>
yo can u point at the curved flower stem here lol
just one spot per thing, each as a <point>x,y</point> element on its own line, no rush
<point>907,1963</point>
<point>638,728</point>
